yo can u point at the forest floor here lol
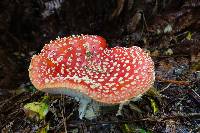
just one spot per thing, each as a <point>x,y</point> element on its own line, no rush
<point>169,30</point>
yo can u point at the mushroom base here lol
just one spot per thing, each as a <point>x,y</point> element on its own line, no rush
<point>88,108</point>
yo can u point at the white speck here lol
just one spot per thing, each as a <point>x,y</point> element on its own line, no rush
<point>105,63</point>
<point>108,74</point>
<point>128,85</point>
<point>140,62</point>
<point>121,82</point>
<point>93,86</point>
<point>96,77</point>
<point>78,54</point>
<point>78,59</point>
<point>114,88</point>
<point>125,53</point>
<point>106,91</point>
<point>127,61</point>
<point>101,48</point>
<point>135,71</point>
<point>110,84</point>
<point>123,88</point>
<point>70,48</point>
<point>70,59</point>
<point>115,63</point>
<point>77,64</point>
<point>116,74</point>
<point>62,70</point>
<point>117,69</point>
<point>59,59</point>
<point>100,80</point>
<point>126,75</point>
<point>128,68</point>
<point>98,56</point>
<point>133,83</point>
<point>48,70</point>
<point>112,68</point>
<point>134,60</point>
<point>46,80</point>
<point>58,74</point>
<point>131,77</point>
<point>90,73</point>
<point>86,45</point>
<point>112,79</point>
<point>106,59</point>
<point>120,79</point>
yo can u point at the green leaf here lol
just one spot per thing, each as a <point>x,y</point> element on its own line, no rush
<point>189,36</point>
<point>154,105</point>
<point>39,108</point>
<point>142,131</point>
<point>153,92</point>
<point>169,52</point>
<point>128,128</point>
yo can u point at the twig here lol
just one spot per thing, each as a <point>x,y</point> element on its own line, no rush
<point>195,95</point>
<point>179,83</point>
<point>170,56</point>
<point>166,87</point>
<point>64,118</point>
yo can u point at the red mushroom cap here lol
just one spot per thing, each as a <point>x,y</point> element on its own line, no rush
<point>105,75</point>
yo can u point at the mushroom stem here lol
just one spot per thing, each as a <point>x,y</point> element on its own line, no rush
<point>82,108</point>
<point>88,109</point>
<point>121,105</point>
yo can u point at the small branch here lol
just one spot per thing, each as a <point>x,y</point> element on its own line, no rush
<point>64,118</point>
<point>195,95</point>
<point>179,83</point>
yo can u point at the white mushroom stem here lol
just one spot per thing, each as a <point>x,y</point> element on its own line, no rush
<point>92,110</point>
<point>83,107</point>
<point>88,109</point>
<point>121,105</point>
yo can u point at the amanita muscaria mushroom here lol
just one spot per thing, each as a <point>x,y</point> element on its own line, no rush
<point>83,67</point>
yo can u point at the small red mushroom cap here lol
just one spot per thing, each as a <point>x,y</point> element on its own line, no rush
<point>87,67</point>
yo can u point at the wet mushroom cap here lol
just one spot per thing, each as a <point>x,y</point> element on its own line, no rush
<point>105,75</point>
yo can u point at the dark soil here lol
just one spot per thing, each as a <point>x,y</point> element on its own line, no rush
<point>168,29</point>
